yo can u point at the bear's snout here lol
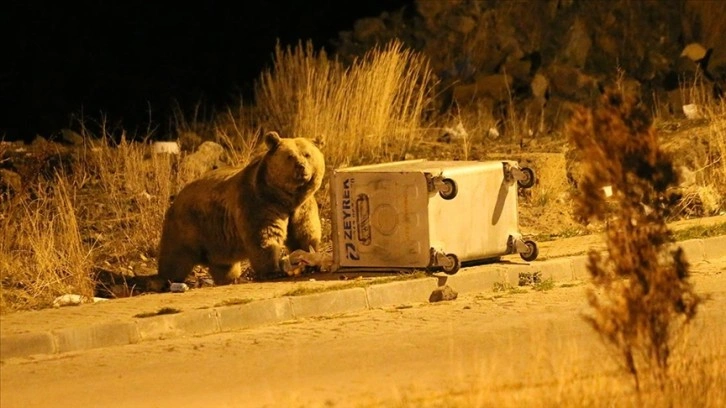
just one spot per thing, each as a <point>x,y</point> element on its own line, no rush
<point>302,172</point>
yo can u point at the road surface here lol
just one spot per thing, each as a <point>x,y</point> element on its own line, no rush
<point>479,350</point>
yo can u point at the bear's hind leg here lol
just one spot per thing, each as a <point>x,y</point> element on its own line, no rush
<point>225,274</point>
<point>176,267</point>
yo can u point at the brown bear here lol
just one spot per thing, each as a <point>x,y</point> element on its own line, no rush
<point>259,212</point>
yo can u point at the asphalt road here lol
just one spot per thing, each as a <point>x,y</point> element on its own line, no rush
<point>478,350</point>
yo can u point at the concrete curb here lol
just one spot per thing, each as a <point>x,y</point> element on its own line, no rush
<point>276,310</point>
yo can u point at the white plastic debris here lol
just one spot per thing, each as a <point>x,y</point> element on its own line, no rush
<point>691,111</point>
<point>75,300</point>
<point>608,190</point>
<point>454,134</point>
<point>165,147</point>
<point>178,287</point>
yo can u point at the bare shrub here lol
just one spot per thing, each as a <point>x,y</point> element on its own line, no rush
<point>641,296</point>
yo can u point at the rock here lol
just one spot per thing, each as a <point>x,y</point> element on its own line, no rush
<point>10,184</point>
<point>189,140</point>
<point>539,86</point>
<point>495,86</point>
<point>687,176</point>
<point>694,51</point>
<point>207,157</point>
<point>578,46</point>
<point>71,137</point>
<point>710,199</point>
<point>571,83</point>
<point>367,29</point>
<point>443,293</point>
<point>461,24</point>
<point>519,68</point>
<point>429,10</point>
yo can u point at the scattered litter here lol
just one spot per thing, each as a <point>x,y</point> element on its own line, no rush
<point>456,134</point>
<point>295,263</point>
<point>691,111</point>
<point>608,190</point>
<point>75,300</point>
<point>165,147</point>
<point>177,287</point>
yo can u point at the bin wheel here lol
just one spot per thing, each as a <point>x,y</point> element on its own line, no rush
<point>449,190</point>
<point>529,179</point>
<point>452,264</point>
<point>532,251</point>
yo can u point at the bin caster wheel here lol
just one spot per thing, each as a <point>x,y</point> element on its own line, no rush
<point>528,180</point>
<point>449,189</point>
<point>532,251</point>
<point>452,264</point>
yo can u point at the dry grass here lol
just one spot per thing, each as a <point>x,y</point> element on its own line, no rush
<point>369,111</point>
<point>113,195</point>
<point>99,211</point>
<point>136,188</point>
<point>44,256</point>
<point>98,208</point>
<point>705,151</point>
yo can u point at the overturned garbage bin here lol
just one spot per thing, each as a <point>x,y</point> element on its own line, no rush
<point>422,214</point>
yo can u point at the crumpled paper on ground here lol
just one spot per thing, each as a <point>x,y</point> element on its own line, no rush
<point>300,261</point>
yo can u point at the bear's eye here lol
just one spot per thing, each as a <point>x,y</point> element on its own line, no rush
<point>306,155</point>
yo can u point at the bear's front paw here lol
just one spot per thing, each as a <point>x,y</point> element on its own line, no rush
<point>291,266</point>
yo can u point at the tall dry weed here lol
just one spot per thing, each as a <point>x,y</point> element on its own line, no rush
<point>238,130</point>
<point>367,111</point>
<point>134,190</point>
<point>641,296</point>
<point>43,253</point>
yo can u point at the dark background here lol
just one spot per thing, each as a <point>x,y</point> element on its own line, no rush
<point>135,61</point>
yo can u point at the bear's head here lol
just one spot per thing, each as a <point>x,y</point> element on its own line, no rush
<point>293,166</point>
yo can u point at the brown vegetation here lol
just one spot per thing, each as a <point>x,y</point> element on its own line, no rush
<point>641,295</point>
<point>86,219</point>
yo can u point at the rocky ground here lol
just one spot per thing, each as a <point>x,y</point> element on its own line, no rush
<point>545,57</point>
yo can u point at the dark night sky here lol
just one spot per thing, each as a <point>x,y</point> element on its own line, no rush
<point>120,57</point>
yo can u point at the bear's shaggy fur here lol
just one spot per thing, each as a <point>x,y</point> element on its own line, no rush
<point>258,212</point>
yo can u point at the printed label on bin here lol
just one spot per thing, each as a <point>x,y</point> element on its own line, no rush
<point>349,221</point>
<point>363,218</point>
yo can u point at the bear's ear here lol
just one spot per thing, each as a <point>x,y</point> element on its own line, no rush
<point>272,139</point>
<point>319,141</point>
